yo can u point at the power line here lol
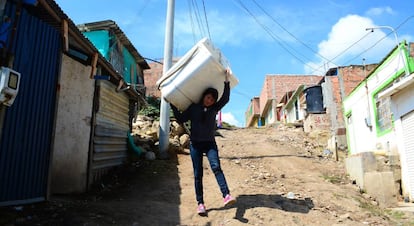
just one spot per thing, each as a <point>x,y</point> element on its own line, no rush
<point>205,16</point>
<point>405,21</point>
<point>191,20</point>
<point>372,46</point>
<point>274,36</point>
<point>242,94</point>
<point>366,50</point>
<point>155,61</point>
<point>346,49</point>
<point>197,16</point>
<point>307,46</point>
<point>281,26</point>
<point>143,7</point>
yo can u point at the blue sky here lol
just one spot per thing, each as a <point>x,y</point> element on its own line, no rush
<point>260,37</point>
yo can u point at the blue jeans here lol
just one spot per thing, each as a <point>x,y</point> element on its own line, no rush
<point>197,149</point>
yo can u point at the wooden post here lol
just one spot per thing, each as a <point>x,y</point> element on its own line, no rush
<point>65,35</point>
<point>93,64</point>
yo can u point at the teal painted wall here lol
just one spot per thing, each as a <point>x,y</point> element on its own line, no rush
<point>100,40</point>
<point>130,65</point>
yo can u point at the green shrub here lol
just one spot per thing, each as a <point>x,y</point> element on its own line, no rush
<point>152,109</point>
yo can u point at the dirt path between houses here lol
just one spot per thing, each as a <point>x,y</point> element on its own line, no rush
<point>280,176</point>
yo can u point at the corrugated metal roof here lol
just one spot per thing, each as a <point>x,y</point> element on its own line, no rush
<point>112,26</point>
<point>50,12</point>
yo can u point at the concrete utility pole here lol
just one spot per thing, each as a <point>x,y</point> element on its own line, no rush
<point>165,106</point>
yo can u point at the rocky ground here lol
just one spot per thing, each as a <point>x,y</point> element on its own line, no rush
<point>279,175</point>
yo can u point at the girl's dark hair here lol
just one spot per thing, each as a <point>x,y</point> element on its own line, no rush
<point>211,91</point>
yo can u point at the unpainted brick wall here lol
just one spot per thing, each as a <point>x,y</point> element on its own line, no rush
<point>151,77</point>
<point>275,86</point>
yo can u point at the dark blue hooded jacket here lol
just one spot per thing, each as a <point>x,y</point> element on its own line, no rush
<point>203,120</point>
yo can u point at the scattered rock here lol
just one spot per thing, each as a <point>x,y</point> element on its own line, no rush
<point>145,131</point>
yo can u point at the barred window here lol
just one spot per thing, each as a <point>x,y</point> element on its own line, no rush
<point>384,115</point>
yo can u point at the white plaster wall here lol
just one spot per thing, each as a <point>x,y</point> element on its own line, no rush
<point>271,114</point>
<point>290,115</point>
<point>358,132</point>
<point>270,117</point>
<point>361,137</point>
<point>73,127</point>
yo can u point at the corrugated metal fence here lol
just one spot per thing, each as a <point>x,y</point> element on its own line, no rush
<point>112,126</point>
<point>28,124</point>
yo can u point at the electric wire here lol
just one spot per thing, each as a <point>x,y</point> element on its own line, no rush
<point>366,50</point>
<point>205,16</point>
<point>198,17</point>
<point>376,43</point>
<point>276,37</point>
<point>190,15</point>
<point>247,96</point>
<point>345,50</point>
<point>290,33</point>
<point>405,21</point>
<point>153,60</point>
<point>308,47</point>
<point>273,35</point>
<point>144,6</point>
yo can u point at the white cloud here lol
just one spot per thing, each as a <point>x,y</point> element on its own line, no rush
<point>229,118</point>
<point>225,29</point>
<point>380,11</point>
<point>349,41</point>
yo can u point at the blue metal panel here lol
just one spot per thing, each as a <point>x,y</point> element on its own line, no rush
<point>28,125</point>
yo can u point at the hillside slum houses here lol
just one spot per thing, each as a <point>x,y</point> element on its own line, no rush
<point>69,106</point>
<point>368,110</point>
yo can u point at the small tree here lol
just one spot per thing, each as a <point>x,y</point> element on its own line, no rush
<point>152,109</point>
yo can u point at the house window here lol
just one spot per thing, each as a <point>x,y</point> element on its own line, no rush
<point>384,115</point>
<point>115,54</point>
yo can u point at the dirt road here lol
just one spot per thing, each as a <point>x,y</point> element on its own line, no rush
<point>280,176</point>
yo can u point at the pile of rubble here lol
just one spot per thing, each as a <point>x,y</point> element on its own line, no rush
<point>145,132</point>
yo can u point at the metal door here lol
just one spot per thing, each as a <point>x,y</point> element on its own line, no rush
<point>408,137</point>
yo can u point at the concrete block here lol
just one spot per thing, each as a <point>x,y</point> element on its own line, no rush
<point>358,165</point>
<point>381,186</point>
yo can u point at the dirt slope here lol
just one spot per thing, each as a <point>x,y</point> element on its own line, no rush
<point>280,176</point>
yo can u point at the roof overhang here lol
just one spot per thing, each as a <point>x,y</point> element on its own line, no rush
<point>292,99</point>
<point>398,86</point>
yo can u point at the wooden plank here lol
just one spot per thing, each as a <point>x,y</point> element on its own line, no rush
<point>93,64</point>
<point>65,35</point>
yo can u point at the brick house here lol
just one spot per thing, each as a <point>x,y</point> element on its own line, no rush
<point>337,84</point>
<point>275,87</point>
<point>151,77</point>
<point>293,106</point>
